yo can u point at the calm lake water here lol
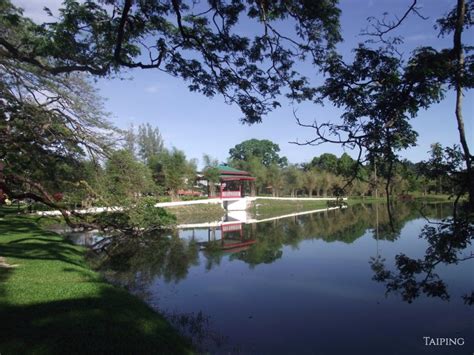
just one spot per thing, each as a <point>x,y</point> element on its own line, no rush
<point>298,285</point>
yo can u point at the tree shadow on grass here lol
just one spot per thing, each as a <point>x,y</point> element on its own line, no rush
<point>81,314</point>
<point>49,250</point>
<point>36,245</point>
<point>113,322</point>
<point>4,275</point>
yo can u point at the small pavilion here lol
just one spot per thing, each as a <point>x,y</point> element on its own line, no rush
<point>234,183</point>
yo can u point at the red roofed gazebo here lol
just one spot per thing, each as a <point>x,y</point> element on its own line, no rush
<point>233,182</point>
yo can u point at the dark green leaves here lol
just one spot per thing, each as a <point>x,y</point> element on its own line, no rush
<point>202,44</point>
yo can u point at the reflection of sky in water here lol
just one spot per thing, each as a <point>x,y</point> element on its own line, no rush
<point>318,296</point>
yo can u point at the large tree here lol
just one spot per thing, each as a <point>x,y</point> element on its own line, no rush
<point>172,170</point>
<point>126,178</point>
<point>48,127</point>
<point>326,161</point>
<point>263,149</point>
<point>201,43</point>
<point>381,92</point>
<point>149,141</point>
<point>211,173</point>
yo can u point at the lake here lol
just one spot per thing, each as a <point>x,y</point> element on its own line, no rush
<point>299,285</point>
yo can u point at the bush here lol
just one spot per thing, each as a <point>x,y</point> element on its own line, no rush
<point>142,215</point>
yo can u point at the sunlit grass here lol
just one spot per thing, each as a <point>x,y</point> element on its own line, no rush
<point>52,302</point>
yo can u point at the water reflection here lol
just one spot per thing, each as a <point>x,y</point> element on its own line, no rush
<point>243,286</point>
<point>170,255</point>
<point>447,241</point>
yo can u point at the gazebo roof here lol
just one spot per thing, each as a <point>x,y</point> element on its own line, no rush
<point>227,170</point>
<point>228,173</point>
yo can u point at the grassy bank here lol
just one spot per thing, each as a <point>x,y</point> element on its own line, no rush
<point>271,208</point>
<point>200,213</point>
<point>51,302</point>
<point>413,197</point>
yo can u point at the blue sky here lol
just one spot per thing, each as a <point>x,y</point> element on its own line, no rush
<point>199,125</point>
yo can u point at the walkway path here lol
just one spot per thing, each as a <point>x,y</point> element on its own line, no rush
<point>245,200</point>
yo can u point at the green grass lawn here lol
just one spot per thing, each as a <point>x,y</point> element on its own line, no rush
<point>199,213</point>
<point>51,302</point>
<point>271,208</point>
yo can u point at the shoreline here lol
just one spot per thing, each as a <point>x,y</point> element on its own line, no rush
<point>53,302</point>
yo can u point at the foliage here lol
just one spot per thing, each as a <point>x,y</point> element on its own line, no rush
<point>126,179</point>
<point>447,241</point>
<point>310,180</point>
<point>326,161</point>
<point>49,126</point>
<point>172,170</point>
<point>293,179</point>
<point>445,168</point>
<point>266,151</point>
<point>145,215</point>
<point>211,173</point>
<point>200,44</point>
<point>381,92</point>
<point>379,97</point>
<point>274,179</point>
<point>149,141</point>
<point>135,219</point>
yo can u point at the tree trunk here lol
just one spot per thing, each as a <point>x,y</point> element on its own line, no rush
<point>212,189</point>
<point>459,53</point>
<point>252,189</point>
<point>173,195</point>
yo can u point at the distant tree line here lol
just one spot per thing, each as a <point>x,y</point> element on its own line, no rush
<point>143,166</point>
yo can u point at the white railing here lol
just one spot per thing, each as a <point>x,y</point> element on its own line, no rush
<point>232,194</point>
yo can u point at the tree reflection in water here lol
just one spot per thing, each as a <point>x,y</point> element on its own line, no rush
<point>447,241</point>
<point>137,262</point>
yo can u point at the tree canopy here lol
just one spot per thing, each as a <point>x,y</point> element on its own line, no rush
<point>199,42</point>
<point>263,149</point>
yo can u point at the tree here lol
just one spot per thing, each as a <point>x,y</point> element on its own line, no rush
<point>326,161</point>
<point>200,44</point>
<point>126,179</point>
<point>48,126</point>
<point>211,173</point>
<point>258,171</point>
<point>435,164</point>
<point>274,179</point>
<point>325,181</point>
<point>130,140</point>
<point>310,181</point>
<point>380,95</point>
<point>293,178</point>
<point>443,69</point>
<point>450,68</point>
<point>149,141</point>
<point>460,18</point>
<point>346,165</point>
<point>264,150</point>
<point>172,170</point>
